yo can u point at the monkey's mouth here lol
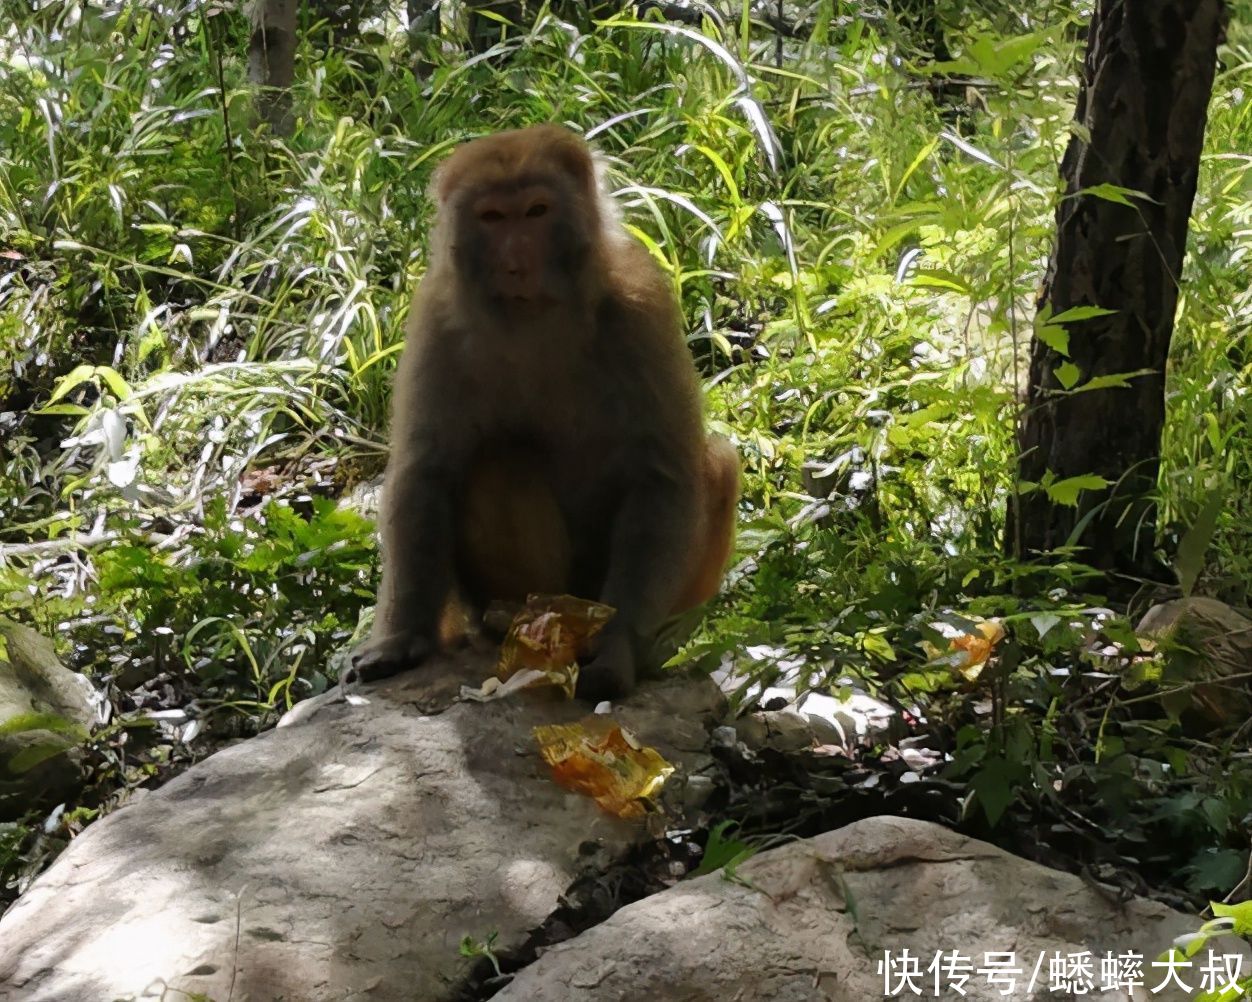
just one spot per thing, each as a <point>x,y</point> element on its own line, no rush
<point>527,301</point>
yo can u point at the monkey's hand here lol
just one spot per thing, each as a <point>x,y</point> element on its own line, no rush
<point>383,657</point>
<point>611,673</point>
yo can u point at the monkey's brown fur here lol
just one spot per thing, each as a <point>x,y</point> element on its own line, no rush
<point>547,431</point>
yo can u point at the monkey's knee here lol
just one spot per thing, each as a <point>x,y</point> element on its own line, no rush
<point>719,489</point>
<point>513,537</point>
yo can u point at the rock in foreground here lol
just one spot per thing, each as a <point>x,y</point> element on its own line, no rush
<point>342,857</point>
<point>812,920</point>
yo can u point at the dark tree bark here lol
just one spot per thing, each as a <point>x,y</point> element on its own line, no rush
<point>272,60</point>
<point>484,32</point>
<point>1140,120</point>
<point>336,24</point>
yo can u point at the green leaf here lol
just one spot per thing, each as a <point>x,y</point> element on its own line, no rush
<point>991,56</point>
<point>1241,913</point>
<point>32,755</point>
<point>997,57</point>
<point>1076,313</point>
<point>722,850</point>
<point>1112,381</point>
<point>71,381</point>
<point>1112,193</point>
<point>1043,622</point>
<point>918,160</point>
<point>1189,560</point>
<point>877,646</point>
<point>993,786</point>
<point>1068,374</point>
<point>1065,492</point>
<point>1056,338</point>
<point>939,278</point>
<point>1050,328</point>
<point>121,389</point>
<point>66,410</point>
<point>43,722</point>
<point>1218,869</point>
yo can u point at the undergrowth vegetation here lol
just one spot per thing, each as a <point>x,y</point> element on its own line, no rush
<point>198,322</point>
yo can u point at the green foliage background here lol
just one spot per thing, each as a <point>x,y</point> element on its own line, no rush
<point>186,300</point>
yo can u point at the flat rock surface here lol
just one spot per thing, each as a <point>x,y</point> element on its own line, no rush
<point>813,920</point>
<point>341,857</point>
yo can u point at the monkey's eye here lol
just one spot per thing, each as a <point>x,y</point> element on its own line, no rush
<point>537,210</point>
<point>491,216</point>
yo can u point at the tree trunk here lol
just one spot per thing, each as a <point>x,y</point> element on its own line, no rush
<point>272,60</point>
<point>484,32</point>
<point>1140,122</point>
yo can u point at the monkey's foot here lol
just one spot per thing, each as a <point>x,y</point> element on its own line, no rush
<point>499,616</point>
<point>610,674</point>
<point>386,657</point>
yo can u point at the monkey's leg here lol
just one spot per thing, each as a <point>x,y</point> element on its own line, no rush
<point>513,538</point>
<point>720,493</point>
<point>655,534</point>
<point>668,557</point>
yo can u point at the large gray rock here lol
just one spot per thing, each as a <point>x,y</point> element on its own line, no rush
<point>811,921</point>
<point>341,857</point>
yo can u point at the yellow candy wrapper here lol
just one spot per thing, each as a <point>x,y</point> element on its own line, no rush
<point>599,759</point>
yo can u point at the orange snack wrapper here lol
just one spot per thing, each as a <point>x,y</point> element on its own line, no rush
<point>599,759</point>
<point>549,635</point>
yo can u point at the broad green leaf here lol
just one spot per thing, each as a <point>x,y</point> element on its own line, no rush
<point>1189,560</point>
<point>1218,868</point>
<point>1068,374</point>
<point>996,57</point>
<point>993,785</point>
<point>1076,313</point>
<point>71,381</point>
<point>1241,913</point>
<point>875,644</point>
<point>1112,381</point>
<point>32,755</point>
<point>1066,491</point>
<point>1115,193</point>
<point>1043,622</point>
<point>939,278</point>
<point>1056,338</point>
<point>42,722</point>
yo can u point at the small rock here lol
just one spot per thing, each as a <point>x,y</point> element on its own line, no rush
<point>1205,641</point>
<point>780,730</point>
<point>46,711</point>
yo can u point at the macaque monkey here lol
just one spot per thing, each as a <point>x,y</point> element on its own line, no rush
<point>547,433</point>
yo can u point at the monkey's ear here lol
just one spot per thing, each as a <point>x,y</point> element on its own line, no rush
<point>440,186</point>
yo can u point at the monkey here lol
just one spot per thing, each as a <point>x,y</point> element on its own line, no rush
<point>547,431</point>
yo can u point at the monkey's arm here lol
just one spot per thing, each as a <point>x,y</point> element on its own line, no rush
<point>416,525</point>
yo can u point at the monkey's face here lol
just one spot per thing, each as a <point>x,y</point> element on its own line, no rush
<point>525,242</point>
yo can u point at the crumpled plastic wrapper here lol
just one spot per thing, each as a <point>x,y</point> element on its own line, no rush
<point>598,758</point>
<point>968,652</point>
<point>548,637</point>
